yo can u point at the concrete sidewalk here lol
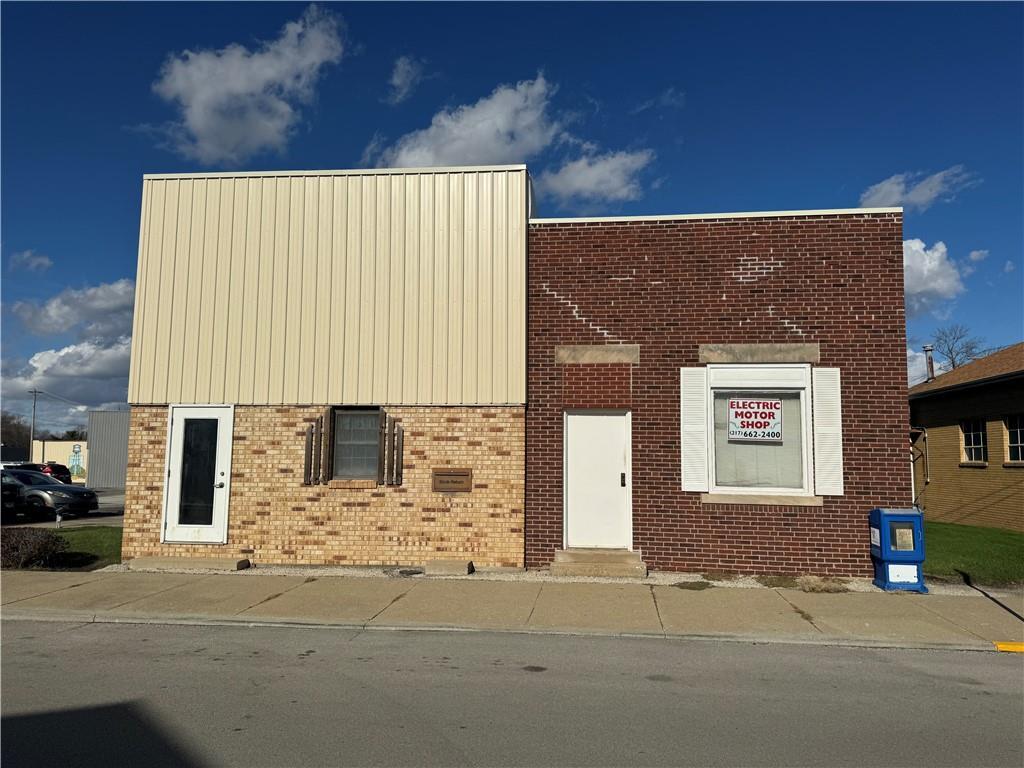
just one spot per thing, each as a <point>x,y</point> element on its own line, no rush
<point>765,615</point>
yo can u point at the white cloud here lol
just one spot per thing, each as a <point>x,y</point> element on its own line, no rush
<point>917,367</point>
<point>90,373</point>
<point>917,191</point>
<point>235,103</point>
<point>510,125</point>
<point>670,98</point>
<point>30,261</point>
<point>406,75</point>
<point>98,311</point>
<point>1009,266</point>
<point>978,255</point>
<point>611,177</point>
<point>930,277</point>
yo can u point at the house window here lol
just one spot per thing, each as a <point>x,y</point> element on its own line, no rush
<point>356,444</point>
<point>975,441</point>
<point>759,429</point>
<point>760,457</point>
<point>1015,437</point>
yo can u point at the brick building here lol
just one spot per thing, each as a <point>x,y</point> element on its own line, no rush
<point>391,367</point>
<point>968,426</point>
<point>313,352</point>
<point>644,331</point>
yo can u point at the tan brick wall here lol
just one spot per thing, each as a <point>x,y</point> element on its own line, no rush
<point>990,495</point>
<point>273,518</point>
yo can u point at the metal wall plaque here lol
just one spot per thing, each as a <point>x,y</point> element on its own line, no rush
<point>448,480</point>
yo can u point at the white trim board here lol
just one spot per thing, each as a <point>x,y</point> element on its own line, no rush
<point>350,172</point>
<point>738,215</point>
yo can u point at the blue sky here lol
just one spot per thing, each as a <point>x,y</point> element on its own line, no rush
<point>617,109</point>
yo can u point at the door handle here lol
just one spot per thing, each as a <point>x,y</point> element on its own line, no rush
<point>219,485</point>
<point>622,479</point>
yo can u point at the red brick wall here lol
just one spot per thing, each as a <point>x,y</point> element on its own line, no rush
<point>596,385</point>
<point>671,285</point>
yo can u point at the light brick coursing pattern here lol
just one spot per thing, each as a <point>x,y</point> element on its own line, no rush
<point>273,518</point>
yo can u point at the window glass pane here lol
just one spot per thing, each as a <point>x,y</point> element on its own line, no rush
<point>975,440</point>
<point>1015,437</point>
<point>901,537</point>
<point>198,471</point>
<point>754,463</point>
<point>356,444</point>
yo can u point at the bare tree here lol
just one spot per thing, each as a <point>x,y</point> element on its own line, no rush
<point>955,345</point>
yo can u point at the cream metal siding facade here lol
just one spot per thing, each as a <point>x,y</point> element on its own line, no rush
<point>404,287</point>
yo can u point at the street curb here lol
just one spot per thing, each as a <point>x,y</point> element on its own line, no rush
<point>85,617</point>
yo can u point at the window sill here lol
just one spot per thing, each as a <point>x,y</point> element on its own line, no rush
<point>1013,464</point>
<point>973,464</point>
<point>761,499</point>
<point>351,484</point>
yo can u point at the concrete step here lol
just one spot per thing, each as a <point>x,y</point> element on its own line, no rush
<point>599,562</point>
<point>177,563</point>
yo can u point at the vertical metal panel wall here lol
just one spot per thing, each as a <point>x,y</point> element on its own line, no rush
<point>108,448</point>
<point>341,287</point>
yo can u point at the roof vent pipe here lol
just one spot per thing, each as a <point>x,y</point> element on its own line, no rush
<point>929,360</point>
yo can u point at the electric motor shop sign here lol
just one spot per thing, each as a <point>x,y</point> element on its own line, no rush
<point>759,420</point>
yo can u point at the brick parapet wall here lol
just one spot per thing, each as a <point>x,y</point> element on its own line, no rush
<point>670,286</point>
<point>273,518</point>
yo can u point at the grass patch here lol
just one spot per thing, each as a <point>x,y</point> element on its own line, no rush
<point>782,582</point>
<point>89,547</point>
<point>988,556</point>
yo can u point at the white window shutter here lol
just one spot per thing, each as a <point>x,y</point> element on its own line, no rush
<point>827,417</point>
<point>693,417</point>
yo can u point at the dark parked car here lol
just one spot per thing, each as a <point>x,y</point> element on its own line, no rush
<point>45,495</point>
<point>13,495</point>
<point>59,471</point>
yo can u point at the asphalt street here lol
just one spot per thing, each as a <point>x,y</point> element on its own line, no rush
<point>102,694</point>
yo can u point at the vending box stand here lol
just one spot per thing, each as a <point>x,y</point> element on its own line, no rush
<point>897,549</point>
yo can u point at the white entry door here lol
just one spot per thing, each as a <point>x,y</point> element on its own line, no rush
<point>597,479</point>
<point>198,474</point>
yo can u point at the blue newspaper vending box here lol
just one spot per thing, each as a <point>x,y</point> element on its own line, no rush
<point>897,549</point>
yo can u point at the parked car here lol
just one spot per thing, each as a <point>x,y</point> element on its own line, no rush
<point>59,471</point>
<point>45,495</point>
<point>13,495</point>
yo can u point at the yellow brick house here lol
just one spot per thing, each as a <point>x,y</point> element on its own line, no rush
<point>968,431</point>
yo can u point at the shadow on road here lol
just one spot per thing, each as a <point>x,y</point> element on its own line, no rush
<point>115,734</point>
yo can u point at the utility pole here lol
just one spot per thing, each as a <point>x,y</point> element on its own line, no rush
<point>32,427</point>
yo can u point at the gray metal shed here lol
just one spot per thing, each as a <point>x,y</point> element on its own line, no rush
<point>108,448</point>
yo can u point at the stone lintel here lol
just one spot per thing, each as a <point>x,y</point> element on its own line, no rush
<point>760,353</point>
<point>597,353</point>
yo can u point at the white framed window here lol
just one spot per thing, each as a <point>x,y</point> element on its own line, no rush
<point>769,429</point>
<point>1014,438</point>
<point>974,440</point>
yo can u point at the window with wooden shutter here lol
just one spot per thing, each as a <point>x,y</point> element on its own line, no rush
<point>828,432</point>
<point>327,447</point>
<point>357,444</point>
<point>693,404</point>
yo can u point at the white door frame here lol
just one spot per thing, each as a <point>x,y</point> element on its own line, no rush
<point>225,439</point>
<point>628,413</point>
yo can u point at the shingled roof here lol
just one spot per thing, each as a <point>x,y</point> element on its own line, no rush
<point>1005,362</point>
